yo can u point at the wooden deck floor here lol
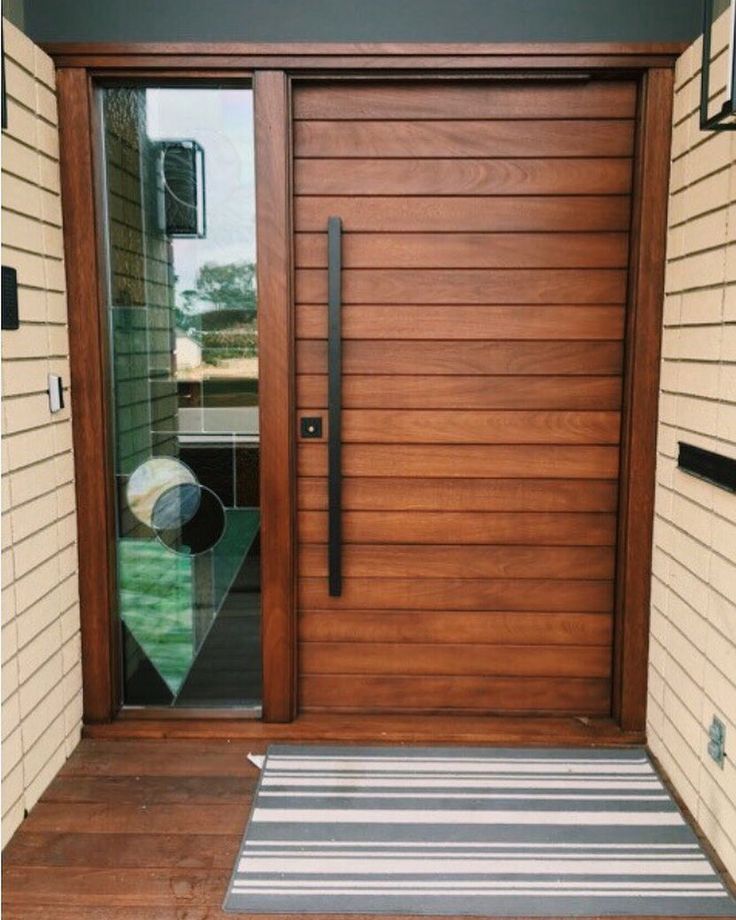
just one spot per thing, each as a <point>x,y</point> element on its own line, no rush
<point>134,830</point>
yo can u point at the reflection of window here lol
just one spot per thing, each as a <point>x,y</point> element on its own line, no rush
<point>181,189</point>
<point>126,155</point>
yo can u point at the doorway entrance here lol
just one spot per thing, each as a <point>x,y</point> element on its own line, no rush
<point>503,217</point>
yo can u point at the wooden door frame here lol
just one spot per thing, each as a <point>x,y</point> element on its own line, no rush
<point>91,377</point>
<point>272,68</point>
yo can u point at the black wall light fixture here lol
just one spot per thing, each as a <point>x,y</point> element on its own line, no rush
<point>182,208</point>
<point>723,118</point>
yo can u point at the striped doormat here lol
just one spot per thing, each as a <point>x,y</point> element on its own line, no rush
<point>460,832</point>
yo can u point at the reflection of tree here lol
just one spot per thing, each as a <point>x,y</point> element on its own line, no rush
<point>231,286</point>
<point>220,311</point>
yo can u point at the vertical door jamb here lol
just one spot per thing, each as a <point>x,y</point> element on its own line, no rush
<point>272,105</point>
<point>641,397</point>
<point>89,388</point>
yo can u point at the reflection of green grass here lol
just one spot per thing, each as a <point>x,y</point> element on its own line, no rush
<point>156,597</point>
<point>156,589</point>
<point>241,530</point>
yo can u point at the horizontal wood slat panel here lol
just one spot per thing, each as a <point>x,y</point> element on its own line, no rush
<point>556,562</point>
<point>467,460</point>
<point>466,286</point>
<point>415,139</point>
<point>460,594</point>
<point>452,214</point>
<point>600,176</point>
<point>437,626</point>
<point>451,659</point>
<point>581,695</point>
<point>463,494</point>
<point>463,100</point>
<point>468,250</point>
<point>466,323</point>
<point>462,392</point>
<point>476,426</point>
<point>416,357</point>
<point>459,527</point>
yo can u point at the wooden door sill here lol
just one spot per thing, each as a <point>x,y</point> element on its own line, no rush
<point>410,729</point>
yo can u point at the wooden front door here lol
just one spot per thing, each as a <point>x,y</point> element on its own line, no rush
<point>484,288</point>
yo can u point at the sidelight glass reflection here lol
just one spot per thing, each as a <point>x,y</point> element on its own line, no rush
<point>179,195</point>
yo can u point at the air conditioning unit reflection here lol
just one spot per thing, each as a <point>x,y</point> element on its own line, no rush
<point>181,197</point>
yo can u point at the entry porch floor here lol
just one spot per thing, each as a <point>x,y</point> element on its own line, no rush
<point>135,829</point>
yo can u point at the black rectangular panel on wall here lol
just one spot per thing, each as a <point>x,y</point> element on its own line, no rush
<point>10,298</point>
<point>707,464</point>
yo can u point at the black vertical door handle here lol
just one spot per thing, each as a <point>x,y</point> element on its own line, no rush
<point>334,404</point>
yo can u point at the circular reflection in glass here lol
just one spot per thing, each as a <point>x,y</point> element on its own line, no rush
<point>150,480</point>
<point>202,532</point>
<point>176,506</point>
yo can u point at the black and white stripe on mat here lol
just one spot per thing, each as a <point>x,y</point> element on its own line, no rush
<point>469,832</point>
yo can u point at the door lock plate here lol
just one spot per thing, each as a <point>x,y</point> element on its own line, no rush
<point>311,427</point>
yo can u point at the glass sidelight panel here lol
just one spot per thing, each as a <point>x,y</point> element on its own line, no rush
<point>179,195</point>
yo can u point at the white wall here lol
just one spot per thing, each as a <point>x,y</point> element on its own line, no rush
<point>693,636</point>
<point>41,668</point>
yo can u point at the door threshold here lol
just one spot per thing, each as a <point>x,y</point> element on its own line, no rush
<point>518,731</point>
<point>230,713</point>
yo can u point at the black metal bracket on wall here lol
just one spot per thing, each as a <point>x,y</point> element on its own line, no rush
<point>716,122</point>
<point>334,404</point>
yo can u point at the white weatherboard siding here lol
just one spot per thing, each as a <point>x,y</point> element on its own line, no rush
<point>692,671</point>
<point>41,668</point>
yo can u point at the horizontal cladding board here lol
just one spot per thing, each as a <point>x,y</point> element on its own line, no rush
<point>466,286</point>
<point>458,323</point>
<point>458,392</point>
<point>442,176</point>
<point>394,658</point>
<point>492,357</point>
<point>373,494</point>
<point>476,426</point>
<point>579,695</point>
<point>451,214</point>
<point>466,460</point>
<point>536,137</point>
<point>489,99</point>
<point>468,250</point>
<point>460,527</point>
<point>468,626</point>
<point>452,561</point>
<point>460,594</point>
